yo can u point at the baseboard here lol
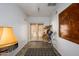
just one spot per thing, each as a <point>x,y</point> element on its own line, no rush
<point>56,52</point>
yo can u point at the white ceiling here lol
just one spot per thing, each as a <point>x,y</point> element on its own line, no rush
<point>31,9</point>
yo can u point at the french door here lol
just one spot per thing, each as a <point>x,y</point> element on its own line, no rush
<point>36,31</point>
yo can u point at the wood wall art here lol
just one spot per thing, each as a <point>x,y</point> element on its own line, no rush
<point>69,23</point>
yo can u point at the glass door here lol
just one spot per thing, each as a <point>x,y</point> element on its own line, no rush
<point>40,31</point>
<point>36,31</point>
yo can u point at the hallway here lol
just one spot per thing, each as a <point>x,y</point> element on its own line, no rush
<point>27,27</point>
<point>38,48</point>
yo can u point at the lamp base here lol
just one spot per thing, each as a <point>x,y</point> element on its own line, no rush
<point>9,48</point>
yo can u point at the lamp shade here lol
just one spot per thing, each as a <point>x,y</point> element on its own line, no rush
<point>1,30</point>
<point>7,37</point>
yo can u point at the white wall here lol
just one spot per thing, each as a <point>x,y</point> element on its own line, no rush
<point>11,15</point>
<point>64,47</point>
<point>44,20</point>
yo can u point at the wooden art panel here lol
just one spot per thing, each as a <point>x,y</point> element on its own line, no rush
<point>69,23</point>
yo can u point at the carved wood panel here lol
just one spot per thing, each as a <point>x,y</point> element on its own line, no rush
<point>69,23</point>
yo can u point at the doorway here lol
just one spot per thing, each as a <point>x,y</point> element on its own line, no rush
<point>36,32</point>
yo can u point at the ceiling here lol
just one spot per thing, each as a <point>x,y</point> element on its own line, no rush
<point>37,9</point>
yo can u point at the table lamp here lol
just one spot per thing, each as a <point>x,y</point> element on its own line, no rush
<point>7,37</point>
